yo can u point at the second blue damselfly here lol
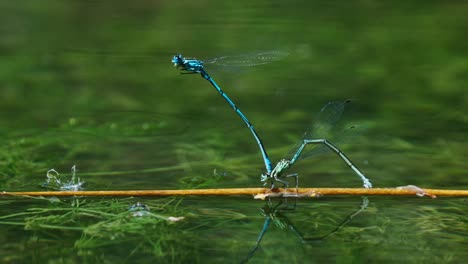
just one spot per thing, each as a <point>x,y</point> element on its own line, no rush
<point>276,174</point>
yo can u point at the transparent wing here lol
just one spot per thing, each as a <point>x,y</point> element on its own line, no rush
<point>327,125</point>
<point>326,120</point>
<point>249,59</point>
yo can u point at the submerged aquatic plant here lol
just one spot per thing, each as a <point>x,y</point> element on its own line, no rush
<point>96,227</point>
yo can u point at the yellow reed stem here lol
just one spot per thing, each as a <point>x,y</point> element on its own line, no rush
<point>263,192</point>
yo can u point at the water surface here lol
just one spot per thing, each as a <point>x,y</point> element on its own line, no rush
<point>90,83</point>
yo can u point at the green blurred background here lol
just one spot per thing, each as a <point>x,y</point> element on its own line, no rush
<point>91,83</point>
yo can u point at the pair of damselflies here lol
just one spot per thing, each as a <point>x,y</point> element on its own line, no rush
<point>330,112</point>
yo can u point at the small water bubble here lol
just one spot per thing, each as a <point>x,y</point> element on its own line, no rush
<point>54,200</point>
<point>72,121</point>
<point>145,126</point>
<point>222,174</point>
<point>139,210</point>
<point>162,124</point>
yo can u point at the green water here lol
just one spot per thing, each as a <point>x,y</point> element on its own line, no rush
<point>90,83</point>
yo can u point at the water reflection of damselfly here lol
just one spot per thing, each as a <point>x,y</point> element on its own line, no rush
<point>273,175</point>
<point>278,214</point>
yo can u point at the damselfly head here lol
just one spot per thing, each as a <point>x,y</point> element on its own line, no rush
<point>177,60</point>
